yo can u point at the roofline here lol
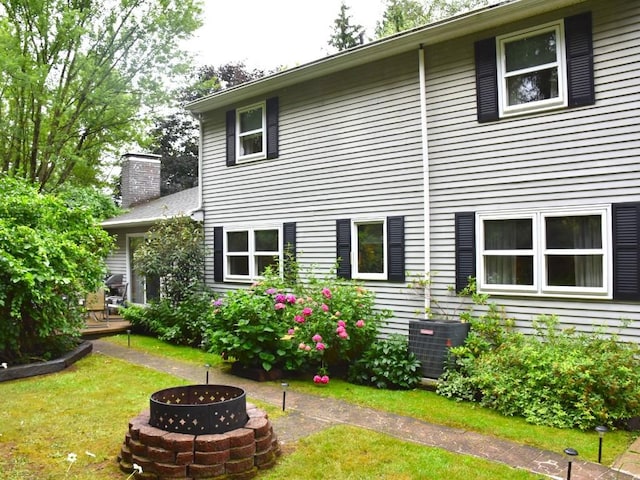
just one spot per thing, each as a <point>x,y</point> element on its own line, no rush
<point>470,22</point>
<point>196,214</point>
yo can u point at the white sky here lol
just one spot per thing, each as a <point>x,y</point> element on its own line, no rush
<point>268,33</point>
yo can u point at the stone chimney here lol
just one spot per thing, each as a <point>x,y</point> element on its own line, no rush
<point>140,178</point>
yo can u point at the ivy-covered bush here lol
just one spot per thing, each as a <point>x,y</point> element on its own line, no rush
<point>388,363</point>
<point>558,377</point>
<point>313,325</point>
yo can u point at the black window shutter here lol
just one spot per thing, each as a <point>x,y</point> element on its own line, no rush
<point>289,241</point>
<point>579,47</point>
<point>343,248</point>
<point>218,254</point>
<point>626,251</point>
<point>465,243</point>
<point>272,127</point>
<point>486,80</point>
<point>395,249</point>
<point>231,138</point>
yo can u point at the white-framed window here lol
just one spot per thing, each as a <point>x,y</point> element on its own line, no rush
<point>532,70</point>
<point>251,141</point>
<point>556,252</point>
<point>369,237</point>
<point>249,251</point>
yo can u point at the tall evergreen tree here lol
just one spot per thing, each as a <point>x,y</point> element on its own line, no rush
<point>345,35</point>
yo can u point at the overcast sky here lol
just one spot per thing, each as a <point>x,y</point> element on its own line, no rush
<point>268,33</point>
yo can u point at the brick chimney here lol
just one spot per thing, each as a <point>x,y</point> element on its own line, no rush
<point>140,179</point>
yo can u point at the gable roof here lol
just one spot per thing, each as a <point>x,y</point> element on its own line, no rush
<point>467,23</point>
<point>183,203</point>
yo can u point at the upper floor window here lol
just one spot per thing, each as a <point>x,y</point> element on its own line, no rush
<point>531,68</point>
<point>251,132</point>
<point>545,252</point>
<point>544,67</point>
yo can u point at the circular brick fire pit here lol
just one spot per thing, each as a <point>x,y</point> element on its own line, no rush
<point>199,432</point>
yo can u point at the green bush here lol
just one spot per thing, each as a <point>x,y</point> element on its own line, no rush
<point>183,324</point>
<point>319,324</point>
<point>387,363</point>
<point>556,378</point>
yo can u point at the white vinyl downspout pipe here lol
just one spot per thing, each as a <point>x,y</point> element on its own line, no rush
<point>425,173</point>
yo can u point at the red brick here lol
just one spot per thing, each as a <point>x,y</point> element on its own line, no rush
<point>212,458</point>
<point>137,448</point>
<point>256,413</point>
<point>246,475</point>
<point>264,443</point>
<point>184,458</point>
<point>146,464</point>
<point>137,422</point>
<point>160,455</point>
<point>261,426</point>
<point>243,452</point>
<point>167,470</point>
<point>212,443</point>
<point>261,459</point>
<point>240,437</point>
<point>125,454</point>
<point>178,442</point>
<point>151,436</point>
<point>204,471</point>
<point>238,466</point>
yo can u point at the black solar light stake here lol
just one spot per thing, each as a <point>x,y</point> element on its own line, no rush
<point>571,454</point>
<point>601,429</point>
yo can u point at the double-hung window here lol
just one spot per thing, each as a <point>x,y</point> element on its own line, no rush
<point>252,143</point>
<point>531,70</point>
<point>547,252</point>
<point>370,240</point>
<point>249,251</point>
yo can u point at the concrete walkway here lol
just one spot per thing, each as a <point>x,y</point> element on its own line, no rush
<point>307,414</point>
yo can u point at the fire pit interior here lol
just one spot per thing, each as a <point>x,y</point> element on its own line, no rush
<point>199,409</point>
<point>200,432</point>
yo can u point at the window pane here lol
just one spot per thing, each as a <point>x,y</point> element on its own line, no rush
<point>574,270</point>
<point>262,262</point>
<point>370,248</point>
<point>266,240</point>
<point>574,232</point>
<point>251,120</point>
<point>508,234</point>
<point>508,270</point>
<point>531,51</point>
<point>251,144</point>
<point>237,241</point>
<point>533,86</point>
<point>238,265</point>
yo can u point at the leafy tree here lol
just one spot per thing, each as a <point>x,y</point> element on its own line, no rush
<point>51,254</point>
<point>345,35</point>
<point>174,251</point>
<point>210,79</point>
<point>401,15</point>
<point>99,204</point>
<point>74,76</point>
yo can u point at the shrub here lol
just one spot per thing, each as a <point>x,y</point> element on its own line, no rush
<point>318,324</point>
<point>388,363</point>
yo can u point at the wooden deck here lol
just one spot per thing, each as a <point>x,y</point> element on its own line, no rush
<point>100,326</point>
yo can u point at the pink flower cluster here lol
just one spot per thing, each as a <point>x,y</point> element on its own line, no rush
<point>324,379</point>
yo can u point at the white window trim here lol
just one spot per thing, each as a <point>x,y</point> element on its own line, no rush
<point>258,155</point>
<point>540,287</point>
<point>506,110</point>
<point>355,273</point>
<point>251,252</point>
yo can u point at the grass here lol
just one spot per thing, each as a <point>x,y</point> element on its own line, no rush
<point>428,406</point>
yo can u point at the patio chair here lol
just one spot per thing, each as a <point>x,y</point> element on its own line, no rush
<point>96,306</point>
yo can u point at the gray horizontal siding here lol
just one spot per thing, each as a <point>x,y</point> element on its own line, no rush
<point>350,146</point>
<point>566,157</point>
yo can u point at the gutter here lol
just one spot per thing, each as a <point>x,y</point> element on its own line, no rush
<point>425,173</point>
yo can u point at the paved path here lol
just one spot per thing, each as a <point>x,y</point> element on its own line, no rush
<point>308,414</point>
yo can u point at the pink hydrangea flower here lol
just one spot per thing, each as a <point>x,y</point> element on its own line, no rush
<point>307,348</point>
<point>270,291</point>
<point>341,323</point>
<point>360,323</point>
<point>279,306</point>
<point>291,331</point>
<point>299,319</point>
<point>281,298</point>
<point>325,379</point>
<point>302,346</point>
<point>320,346</point>
<point>218,302</point>
<point>317,379</point>
<point>340,329</point>
<point>291,298</point>
<point>306,311</point>
<point>316,338</point>
<point>326,292</point>
<point>324,307</point>
<point>343,334</point>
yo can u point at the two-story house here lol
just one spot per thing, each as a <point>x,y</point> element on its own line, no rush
<point>503,143</point>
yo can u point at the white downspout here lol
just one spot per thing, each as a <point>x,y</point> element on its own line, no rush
<point>425,174</point>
